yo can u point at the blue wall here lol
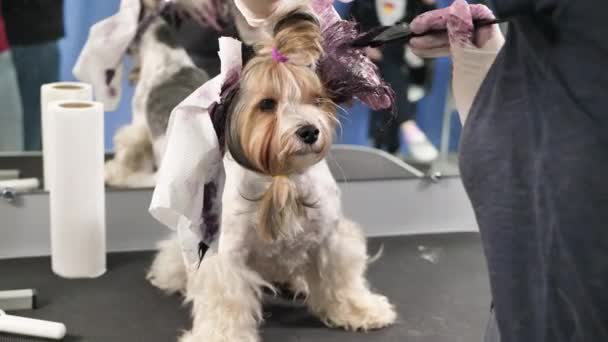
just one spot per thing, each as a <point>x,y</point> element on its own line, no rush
<point>81,15</point>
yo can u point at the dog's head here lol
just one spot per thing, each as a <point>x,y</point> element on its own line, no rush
<point>281,119</point>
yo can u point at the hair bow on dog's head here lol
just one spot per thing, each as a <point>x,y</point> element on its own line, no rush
<point>277,56</point>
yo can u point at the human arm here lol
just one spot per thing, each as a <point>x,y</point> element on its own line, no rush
<point>473,50</point>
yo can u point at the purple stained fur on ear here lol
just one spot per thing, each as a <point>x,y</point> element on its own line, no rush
<point>219,110</point>
<point>110,73</point>
<point>347,72</point>
<point>210,214</point>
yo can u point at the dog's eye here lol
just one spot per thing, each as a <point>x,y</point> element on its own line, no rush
<point>268,105</point>
<point>319,101</point>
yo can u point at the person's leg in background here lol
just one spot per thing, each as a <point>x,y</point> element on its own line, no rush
<point>384,124</point>
<point>401,121</point>
<point>11,112</point>
<point>379,123</point>
<point>421,149</point>
<point>36,65</point>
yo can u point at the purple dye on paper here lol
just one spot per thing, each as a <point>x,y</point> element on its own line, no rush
<point>210,225</point>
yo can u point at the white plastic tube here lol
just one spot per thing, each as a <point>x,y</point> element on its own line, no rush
<point>31,327</point>
<point>77,193</point>
<point>58,91</point>
<point>20,185</point>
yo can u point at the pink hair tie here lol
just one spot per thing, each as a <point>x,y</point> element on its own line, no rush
<point>277,56</point>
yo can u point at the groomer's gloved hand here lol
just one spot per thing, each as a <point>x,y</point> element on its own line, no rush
<point>472,51</point>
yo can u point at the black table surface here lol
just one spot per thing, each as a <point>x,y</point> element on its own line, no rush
<point>437,282</point>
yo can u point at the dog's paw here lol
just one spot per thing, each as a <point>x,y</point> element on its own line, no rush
<point>367,312</point>
<point>114,173</point>
<point>218,336</point>
<point>168,271</point>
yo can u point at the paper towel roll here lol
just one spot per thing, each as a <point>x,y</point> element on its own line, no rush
<point>77,196</point>
<point>59,91</point>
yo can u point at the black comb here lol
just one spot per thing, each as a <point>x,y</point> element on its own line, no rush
<point>402,33</point>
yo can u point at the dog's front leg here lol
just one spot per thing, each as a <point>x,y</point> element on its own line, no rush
<point>226,297</point>
<point>339,293</point>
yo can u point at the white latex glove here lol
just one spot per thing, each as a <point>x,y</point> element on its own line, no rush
<point>473,51</point>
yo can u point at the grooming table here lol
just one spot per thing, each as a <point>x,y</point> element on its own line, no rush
<point>437,282</point>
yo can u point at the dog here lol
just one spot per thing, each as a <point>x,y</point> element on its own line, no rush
<point>282,220</point>
<point>164,73</point>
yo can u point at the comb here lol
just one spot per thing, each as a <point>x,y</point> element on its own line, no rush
<point>402,33</point>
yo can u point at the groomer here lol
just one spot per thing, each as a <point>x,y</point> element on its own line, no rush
<point>534,157</point>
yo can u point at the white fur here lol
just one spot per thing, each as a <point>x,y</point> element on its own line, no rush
<point>168,271</point>
<point>132,164</point>
<point>326,259</point>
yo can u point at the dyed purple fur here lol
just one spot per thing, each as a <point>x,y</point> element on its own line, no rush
<point>347,72</point>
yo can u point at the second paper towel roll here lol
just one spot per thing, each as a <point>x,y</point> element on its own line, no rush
<point>59,91</point>
<point>77,194</point>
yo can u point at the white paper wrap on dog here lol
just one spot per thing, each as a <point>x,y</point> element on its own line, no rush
<point>193,159</point>
<point>77,196</point>
<point>101,59</point>
<point>58,91</point>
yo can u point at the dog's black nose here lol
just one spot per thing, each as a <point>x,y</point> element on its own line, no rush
<point>309,134</point>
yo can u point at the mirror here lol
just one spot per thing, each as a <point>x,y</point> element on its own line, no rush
<point>423,131</point>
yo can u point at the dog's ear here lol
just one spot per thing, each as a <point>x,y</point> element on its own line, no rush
<point>230,139</point>
<point>220,112</point>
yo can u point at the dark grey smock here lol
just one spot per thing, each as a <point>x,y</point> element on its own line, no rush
<point>534,161</point>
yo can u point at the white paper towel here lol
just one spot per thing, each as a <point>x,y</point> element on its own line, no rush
<point>192,160</point>
<point>77,196</point>
<point>58,91</point>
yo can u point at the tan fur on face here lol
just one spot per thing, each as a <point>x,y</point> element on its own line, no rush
<point>265,141</point>
<point>264,144</point>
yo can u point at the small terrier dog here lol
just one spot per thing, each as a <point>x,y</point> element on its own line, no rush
<point>282,220</point>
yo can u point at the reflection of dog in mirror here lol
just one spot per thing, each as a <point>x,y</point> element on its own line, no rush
<point>165,72</point>
<point>282,219</point>
<point>164,75</point>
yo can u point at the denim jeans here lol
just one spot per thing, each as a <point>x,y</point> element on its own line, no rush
<point>11,113</point>
<point>35,65</point>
